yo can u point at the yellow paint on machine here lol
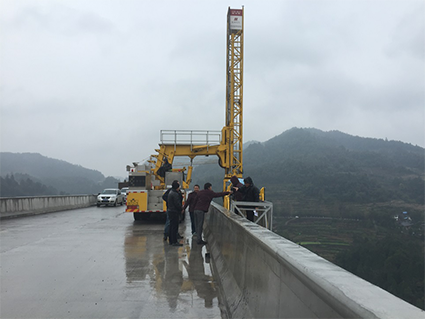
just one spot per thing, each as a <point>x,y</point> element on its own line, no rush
<point>137,201</point>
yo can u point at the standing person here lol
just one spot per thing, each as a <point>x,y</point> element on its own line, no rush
<point>251,193</point>
<point>167,221</point>
<point>236,196</point>
<point>236,184</point>
<point>202,204</point>
<point>174,210</point>
<point>191,198</point>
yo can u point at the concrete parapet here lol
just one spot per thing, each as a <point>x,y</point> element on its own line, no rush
<point>22,206</point>
<point>263,275</point>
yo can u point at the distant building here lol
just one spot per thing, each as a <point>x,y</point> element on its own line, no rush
<point>404,219</point>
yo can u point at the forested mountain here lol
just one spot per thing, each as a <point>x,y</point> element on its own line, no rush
<point>32,174</point>
<point>308,171</point>
<point>337,195</point>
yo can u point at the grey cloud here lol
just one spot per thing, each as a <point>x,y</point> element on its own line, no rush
<point>409,35</point>
<point>61,19</point>
<point>122,71</point>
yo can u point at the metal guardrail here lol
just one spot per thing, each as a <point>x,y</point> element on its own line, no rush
<point>263,212</point>
<point>190,137</point>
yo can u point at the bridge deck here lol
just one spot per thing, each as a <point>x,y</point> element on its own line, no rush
<point>99,263</point>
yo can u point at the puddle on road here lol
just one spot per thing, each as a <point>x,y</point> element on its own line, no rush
<point>179,278</point>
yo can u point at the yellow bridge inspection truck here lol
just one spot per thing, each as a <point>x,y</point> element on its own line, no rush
<point>144,195</point>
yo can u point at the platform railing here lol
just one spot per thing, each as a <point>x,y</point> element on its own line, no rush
<point>190,137</point>
<point>263,211</point>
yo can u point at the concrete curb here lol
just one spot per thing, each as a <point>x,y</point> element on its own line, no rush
<point>14,207</point>
<point>264,275</point>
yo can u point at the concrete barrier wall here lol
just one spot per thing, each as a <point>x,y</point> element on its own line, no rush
<point>18,206</point>
<point>263,275</point>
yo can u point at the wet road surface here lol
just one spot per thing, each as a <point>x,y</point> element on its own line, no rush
<point>99,263</point>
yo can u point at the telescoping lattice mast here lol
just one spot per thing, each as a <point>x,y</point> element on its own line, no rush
<point>234,93</point>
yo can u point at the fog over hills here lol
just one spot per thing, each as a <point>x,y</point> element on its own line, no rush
<point>315,172</point>
<point>32,174</point>
<point>43,167</point>
<point>322,166</point>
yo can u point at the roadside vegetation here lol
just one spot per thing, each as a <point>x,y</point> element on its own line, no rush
<point>390,256</point>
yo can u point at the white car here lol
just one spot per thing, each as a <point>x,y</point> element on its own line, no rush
<point>110,196</point>
<point>124,192</point>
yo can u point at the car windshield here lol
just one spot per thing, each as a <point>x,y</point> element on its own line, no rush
<point>109,191</point>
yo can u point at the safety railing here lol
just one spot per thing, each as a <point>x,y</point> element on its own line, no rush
<point>263,211</point>
<point>190,137</point>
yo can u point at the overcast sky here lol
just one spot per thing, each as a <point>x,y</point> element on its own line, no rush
<point>93,82</point>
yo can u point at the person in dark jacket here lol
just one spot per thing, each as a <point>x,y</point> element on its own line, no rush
<point>174,209</point>
<point>167,221</point>
<point>250,193</point>
<point>191,198</point>
<point>236,184</point>
<point>236,196</point>
<point>202,204</point>
<point>165,167</point>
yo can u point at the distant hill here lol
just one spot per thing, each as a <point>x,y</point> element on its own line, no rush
<point>32,174</point>
<point>359,185</point>
<point>312,172</point>
<point>246,144</point>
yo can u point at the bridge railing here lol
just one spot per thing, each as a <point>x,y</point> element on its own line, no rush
<point>263,275</point>
<point>32,205</point>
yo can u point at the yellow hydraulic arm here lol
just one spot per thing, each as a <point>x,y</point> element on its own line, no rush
<point>191,150</point>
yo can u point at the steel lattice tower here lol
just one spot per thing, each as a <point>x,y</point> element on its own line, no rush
<point>234,93</point>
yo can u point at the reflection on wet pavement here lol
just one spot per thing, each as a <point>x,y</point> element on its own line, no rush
<point>178,277</point>
<point>99,263</point>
